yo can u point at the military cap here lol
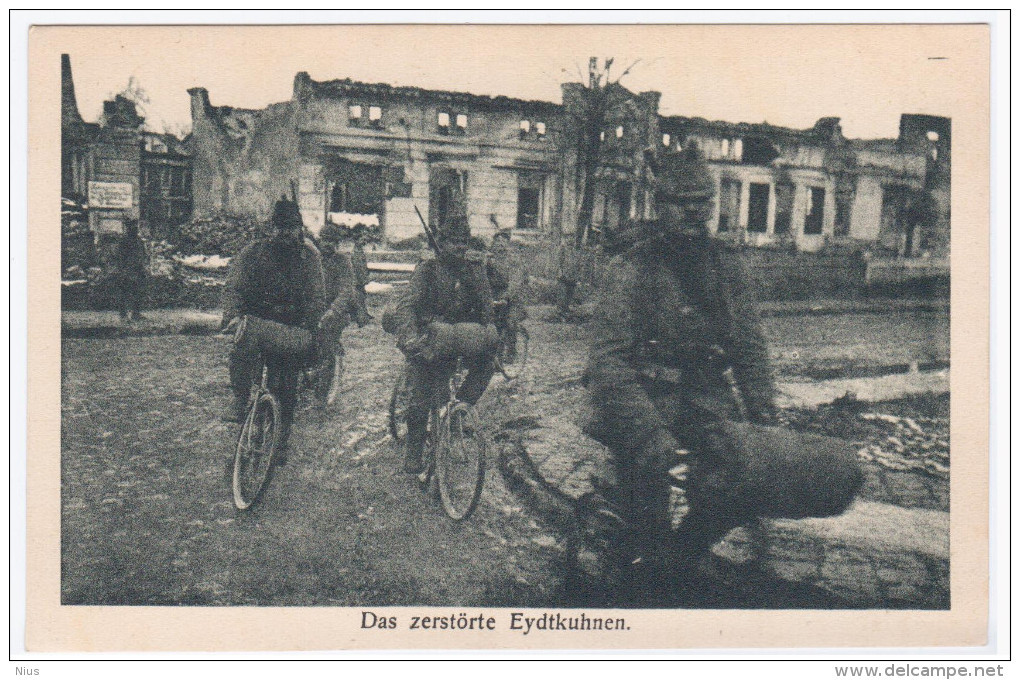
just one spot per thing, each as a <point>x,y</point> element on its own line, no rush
<point>286,215</point>
<point>456,229</point>
<point>683,175</point>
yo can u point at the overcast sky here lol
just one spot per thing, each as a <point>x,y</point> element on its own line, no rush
<point>786,75</point>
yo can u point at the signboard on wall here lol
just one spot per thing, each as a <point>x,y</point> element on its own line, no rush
<point>110,195</point>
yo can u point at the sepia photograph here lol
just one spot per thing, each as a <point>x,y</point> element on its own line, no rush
<point>531,328</point>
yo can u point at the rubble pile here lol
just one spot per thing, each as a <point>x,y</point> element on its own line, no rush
<point>916,444</point>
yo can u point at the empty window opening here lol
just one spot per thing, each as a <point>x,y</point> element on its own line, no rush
<point>816,209</point>
<point>738,149</point>
<point>529,200</point>
<point>758,151</point>
<point>784,208</point>
<point>461,121</point>
<point>356,193</point>
<point>933,136</point>
<point>758,208</point>
<point>729,204</point>
<point>354,111</point>
<point>622,202</point>
<point>444,122</point>
<point>447,189</point>
<point>725,147</point>
<point>665,139</point>
<point>374,114</point>
<point>619,131</point>
<point>540,129</point>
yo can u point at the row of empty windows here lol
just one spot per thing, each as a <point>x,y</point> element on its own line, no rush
<point>616,132</point>
<point>758,207</point>
<point>527,126</point>
<point>356,113</point>
<point>443,122</point>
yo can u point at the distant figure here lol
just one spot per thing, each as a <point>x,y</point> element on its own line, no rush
<point>130,271</point>
<point>567,276</point>
<point>504,277</point>
<point>359,262</point>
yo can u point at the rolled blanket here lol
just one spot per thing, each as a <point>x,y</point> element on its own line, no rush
<point>467,340</point>
<point>781,473</point>
<point>256,335</point>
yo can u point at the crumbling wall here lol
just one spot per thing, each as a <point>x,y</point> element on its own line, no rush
<point>408,141</point>
<point>242,159</point>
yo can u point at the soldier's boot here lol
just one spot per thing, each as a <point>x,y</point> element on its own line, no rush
<point>416,432</point>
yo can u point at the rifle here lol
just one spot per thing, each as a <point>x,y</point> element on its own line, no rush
<point>429,234</point>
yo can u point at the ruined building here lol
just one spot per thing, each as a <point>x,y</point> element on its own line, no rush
<point>815,187</point>
<point>119,170</point>
<point>358,153</point>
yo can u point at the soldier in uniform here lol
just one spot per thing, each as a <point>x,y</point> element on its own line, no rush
<point>506,291</point>
<point>346,303</point>
<point>278,278</point>
<point>130,271</point>
<point>675,335</point>
<point>359,263</point>
<point>568,272</point>
<point>453,287</point>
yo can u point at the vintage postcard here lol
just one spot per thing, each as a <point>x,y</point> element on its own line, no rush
<point>508,337</point>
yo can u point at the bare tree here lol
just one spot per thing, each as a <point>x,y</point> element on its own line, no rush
<point>599,100</point>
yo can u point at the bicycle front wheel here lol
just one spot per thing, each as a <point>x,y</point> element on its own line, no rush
<point>256,446</point>
<point>460,462</point>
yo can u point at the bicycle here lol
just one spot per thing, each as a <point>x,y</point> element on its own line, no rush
<point>259,440</point>
<point>257,445</point>
<point>510,361</point>
<point>455,449</point>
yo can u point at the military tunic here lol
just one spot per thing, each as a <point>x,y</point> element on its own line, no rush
<point>437,293</point>
<point>284,287</point>
<point>676,313</point>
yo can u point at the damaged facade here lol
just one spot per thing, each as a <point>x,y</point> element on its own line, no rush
<point>369,154</point>
<point>119,170</point>
<point>815,187</point>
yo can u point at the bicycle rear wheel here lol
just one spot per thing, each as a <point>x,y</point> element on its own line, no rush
<point>256,446</point>
<point>398,409</point>
<point>460,462</point>
<point>513,359</point>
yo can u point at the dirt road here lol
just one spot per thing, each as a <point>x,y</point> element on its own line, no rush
<point>148,518</point>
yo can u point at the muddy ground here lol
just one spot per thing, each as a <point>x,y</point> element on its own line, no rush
<point>147,516</point>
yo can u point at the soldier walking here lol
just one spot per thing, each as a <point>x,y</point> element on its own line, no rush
<point>130,271</point>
